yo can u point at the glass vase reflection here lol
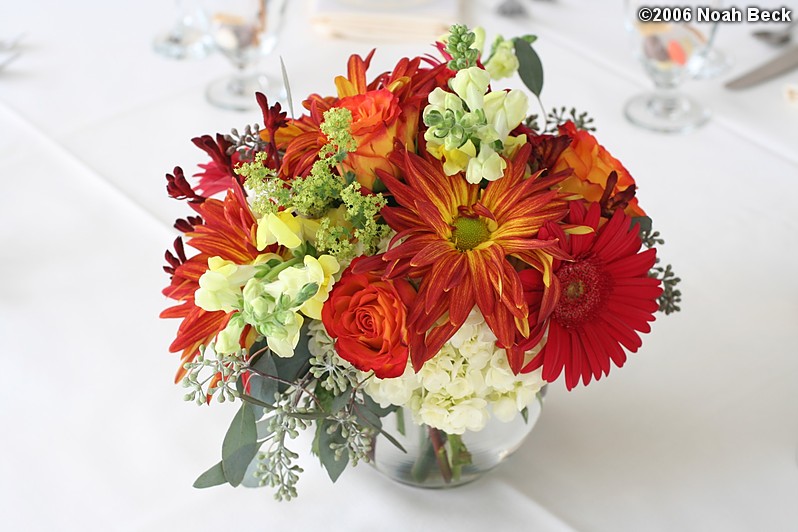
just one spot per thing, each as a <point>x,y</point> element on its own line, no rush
<point>435,459</point>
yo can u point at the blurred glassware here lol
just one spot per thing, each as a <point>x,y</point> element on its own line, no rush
<point>512,9</point>
<point>188,38</point>
<point>713,63</point>
<point>670,53</point>
<point>244,31</point>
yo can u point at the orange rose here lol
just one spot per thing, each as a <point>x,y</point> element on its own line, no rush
<point>592,165</point>
<point>366,317</point>
<point>377,122</point>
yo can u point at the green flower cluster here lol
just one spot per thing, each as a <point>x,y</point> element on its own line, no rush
<point>461,47</point>
<point>345,215</point>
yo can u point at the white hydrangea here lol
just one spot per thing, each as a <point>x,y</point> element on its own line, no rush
<point>457,389</point>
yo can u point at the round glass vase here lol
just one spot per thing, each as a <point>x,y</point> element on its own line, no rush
<point>435,459</point>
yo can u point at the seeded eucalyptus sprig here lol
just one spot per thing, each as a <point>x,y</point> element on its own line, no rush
<point>205,367</point>
<point>283,396</point>
<point>247,142</point>
<point>671,296</point>
<point>557,117</point>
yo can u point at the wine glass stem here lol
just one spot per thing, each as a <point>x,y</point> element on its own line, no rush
<point>666,103</point>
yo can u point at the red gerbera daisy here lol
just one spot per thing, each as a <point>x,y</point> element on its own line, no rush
<point>604,297</point>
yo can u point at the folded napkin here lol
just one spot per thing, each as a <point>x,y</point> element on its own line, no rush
<point>385,20</point>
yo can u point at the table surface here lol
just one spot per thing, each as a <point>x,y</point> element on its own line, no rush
<point>698,432</point>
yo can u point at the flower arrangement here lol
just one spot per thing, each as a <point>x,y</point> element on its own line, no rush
<point>417,241</point>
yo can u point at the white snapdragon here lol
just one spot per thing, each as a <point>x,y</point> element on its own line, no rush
<point>487,165</point>
<point>228,339</point>
<point>220,286</point>
<point>316,271</point>
<point>470,84</point>
<point>503,63</point>
<point>274,307</point>
<point>283,340</point>
<point>505,110</point>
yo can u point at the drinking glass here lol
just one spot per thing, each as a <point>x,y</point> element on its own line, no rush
<point>670,52</point>
<point>187,38</point>
<point>244,31</point>
<point>713,63</point>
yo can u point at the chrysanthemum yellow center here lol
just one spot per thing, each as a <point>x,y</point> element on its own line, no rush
<point>585,290</point>
<point>469,232</point>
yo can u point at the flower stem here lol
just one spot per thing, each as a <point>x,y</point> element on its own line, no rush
<point>438,439</point>
<point>423,464</point>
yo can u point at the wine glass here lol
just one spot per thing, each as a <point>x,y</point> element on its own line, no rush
<point>713,63</point>
<point>669,52</point>
<point>187,38</point>
<point>244,31</point>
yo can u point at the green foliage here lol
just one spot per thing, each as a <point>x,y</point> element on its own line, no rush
<point>671,296</point>
<point>201,372</point>
<point>240,445</point>
<point>330,439</point>
<point>530,69</point>
<point>557,117</point>
<point>287,86</point>
<point>212,477</point>
<point>262,385</point>
<point>459,456</point>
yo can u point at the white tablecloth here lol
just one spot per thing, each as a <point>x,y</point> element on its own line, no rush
<point>698,432</point>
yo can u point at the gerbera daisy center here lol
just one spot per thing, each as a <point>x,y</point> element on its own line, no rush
<point>469,232</point>
<point>585,287</point>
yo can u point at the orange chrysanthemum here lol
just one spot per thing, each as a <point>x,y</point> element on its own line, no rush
<point>227,231</point>
<point>457,238</point>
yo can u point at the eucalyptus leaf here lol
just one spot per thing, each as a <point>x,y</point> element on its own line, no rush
<point>257,402</point>
<point>340,401</point>
<point>240,445</point>
<point>374,406</point>
<point>260,387</point>
<point>327,457</point>
<point>643,224</point>
<point>530,69</point>
<point>236,464</point>
<point>525,415</point>
<point>367,420</point>
<point>212,477</point>
<point>367,417</point>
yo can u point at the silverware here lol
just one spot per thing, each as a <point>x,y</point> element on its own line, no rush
<point>785,62</point>
<point>778,37</point>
